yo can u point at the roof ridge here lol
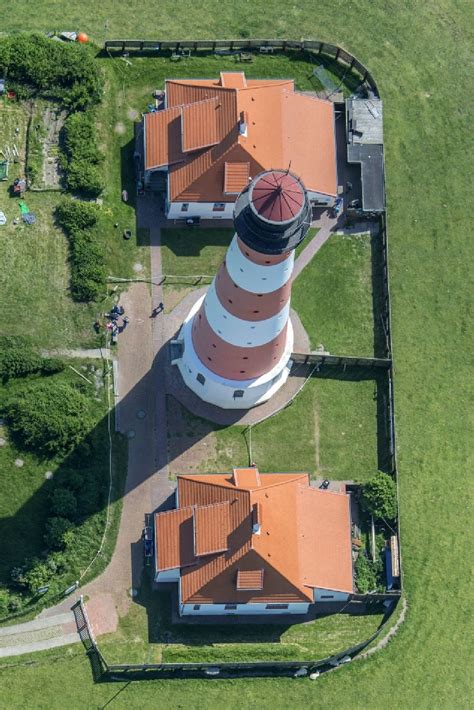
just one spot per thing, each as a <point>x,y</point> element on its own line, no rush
<point>208,483</point>
<point>210,505</point>
<point>176,510</point>
<point>281,483</point>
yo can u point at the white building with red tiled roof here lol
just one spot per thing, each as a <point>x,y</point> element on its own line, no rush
<point>213,135</point>
<point>254,543</point>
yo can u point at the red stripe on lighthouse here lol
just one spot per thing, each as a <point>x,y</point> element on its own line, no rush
<point>247,305</point>
<point>231,361</point>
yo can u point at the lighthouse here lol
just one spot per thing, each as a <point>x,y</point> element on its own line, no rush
<point>237,339</point>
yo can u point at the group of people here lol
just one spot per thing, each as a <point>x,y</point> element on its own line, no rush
<point>113,325</point>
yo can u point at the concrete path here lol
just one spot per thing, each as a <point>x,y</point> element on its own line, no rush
<point>38,635</point>
<point>83,354</point>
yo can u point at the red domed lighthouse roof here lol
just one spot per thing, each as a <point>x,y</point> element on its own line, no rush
<point>277,196</point>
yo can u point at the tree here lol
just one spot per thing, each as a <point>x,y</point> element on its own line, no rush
<point>50,416</point>
<point>57,533</point>
<point>38,575</point>
<point>64,503</point>
<point>379,496</point>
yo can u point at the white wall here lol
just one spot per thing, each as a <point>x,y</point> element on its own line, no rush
<point>320,197</point>
<point>330,595</point>
<point>199,209</point>
<point>242,609</point>
<point>220,391</point>
<point>167,575</point>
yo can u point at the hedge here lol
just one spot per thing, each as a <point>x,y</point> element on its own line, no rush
<point>87,252</point>
<point>81,154</point>
<point>36,65</point>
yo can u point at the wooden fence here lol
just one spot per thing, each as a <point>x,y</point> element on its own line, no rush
<point>341,56</point>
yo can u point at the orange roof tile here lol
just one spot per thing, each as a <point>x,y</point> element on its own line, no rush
<point>249,580</point>
<point>211,528</point>
<point>199,125</point>
<point>233,79</point>
<point>325,539</point>
<point>174,538</point>
<point>283,127</point>
<point>236,177</point>
<point>247,477</point>
<point>163,138</point>
<point>303,542</point>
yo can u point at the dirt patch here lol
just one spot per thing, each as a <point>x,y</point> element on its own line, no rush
<point>132,114</point>
<point>119,128</point>
<point>191,441</point>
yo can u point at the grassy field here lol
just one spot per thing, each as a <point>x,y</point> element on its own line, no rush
<point>333,296</point>
<point>420,55</point>
<point>333,424</point>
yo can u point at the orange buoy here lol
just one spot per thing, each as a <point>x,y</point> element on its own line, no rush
<point>82,37</point>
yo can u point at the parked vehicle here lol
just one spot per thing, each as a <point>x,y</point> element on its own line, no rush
<point>325,484</point>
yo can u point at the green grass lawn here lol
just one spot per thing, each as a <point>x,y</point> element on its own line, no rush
<point>332,424</point>
<point>193,252</point>
<point>333,296</point>
<point>420,55</point>
<point>146,634</point>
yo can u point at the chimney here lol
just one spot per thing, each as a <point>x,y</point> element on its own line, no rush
<point>256,518</point>
<point>243,123</point>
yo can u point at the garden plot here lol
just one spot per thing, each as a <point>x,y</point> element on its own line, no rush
<point>44,170</point>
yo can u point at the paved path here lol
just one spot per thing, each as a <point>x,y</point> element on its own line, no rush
<point>38,635</point>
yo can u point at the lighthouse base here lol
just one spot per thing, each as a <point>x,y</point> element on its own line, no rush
<point>229,394</point>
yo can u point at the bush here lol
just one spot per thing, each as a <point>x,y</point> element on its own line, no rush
<point>82,155</point>
<point>52,365</point>
<point>17,357</point>
<point>367,573</point>
<point>51,417</point>
<point>64,503</point>
<point>57,530</point>
<point>4,602</point>
<point>34,64</point>
<point>379,497</point>
<point>37,576</point>
<point>87,252</point>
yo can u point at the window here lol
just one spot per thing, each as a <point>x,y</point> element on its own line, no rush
<point>230,607</point>
<point>196,607</point>
<point>185,207</point>
<point>238,393</point>
<point>276,606</point>
<point>219,207</point>
<point>200,378</point>
<point>327,596</point>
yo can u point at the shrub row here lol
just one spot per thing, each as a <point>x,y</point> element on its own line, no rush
<point>87,253</point>
<point>36,65</point>
<point>19,359</point>
<point>81,155</point>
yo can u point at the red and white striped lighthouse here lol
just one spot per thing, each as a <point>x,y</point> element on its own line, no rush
<point>238,338</point>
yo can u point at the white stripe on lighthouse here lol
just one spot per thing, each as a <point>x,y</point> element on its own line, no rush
<point>253,277</point>
<point>242,333</point>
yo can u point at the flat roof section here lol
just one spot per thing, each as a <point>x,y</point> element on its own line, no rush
<point>365,121</point>
<point>370,158</point>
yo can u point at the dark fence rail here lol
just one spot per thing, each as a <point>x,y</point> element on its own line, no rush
<point>123,672</point>
<point>315,46</point>
<point>341,360</point>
